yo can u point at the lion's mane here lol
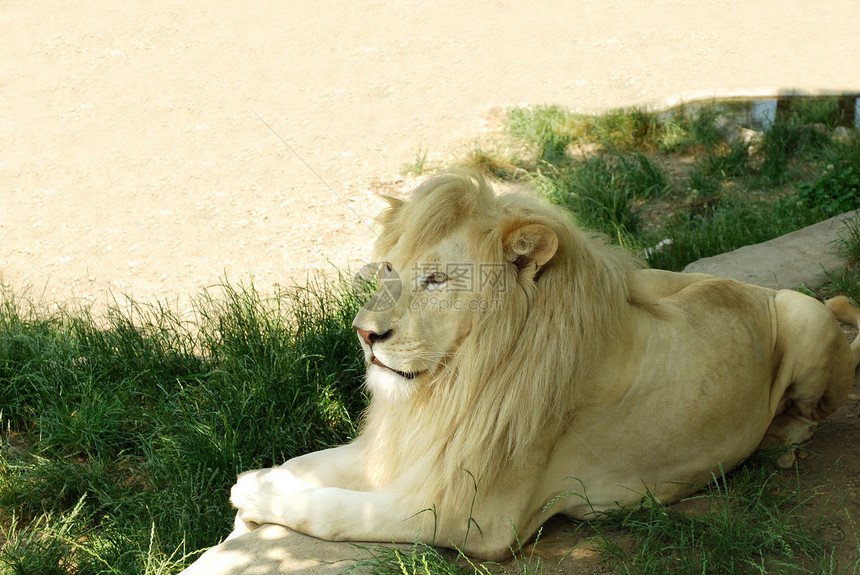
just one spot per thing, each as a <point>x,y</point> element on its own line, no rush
<point>512,385</point>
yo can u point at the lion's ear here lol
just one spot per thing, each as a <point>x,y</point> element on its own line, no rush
<point>386,219</point>
<point>530,246</point>
<point>393,203</point>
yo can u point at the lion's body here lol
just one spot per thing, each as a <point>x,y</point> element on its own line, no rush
<point>558,378</point>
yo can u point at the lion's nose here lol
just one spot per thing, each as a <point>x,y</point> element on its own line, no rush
<point>366,335</point>
<point>371,337</point>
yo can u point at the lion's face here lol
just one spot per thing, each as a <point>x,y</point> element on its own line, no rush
<point>423,309</point>
<point>429,300</point>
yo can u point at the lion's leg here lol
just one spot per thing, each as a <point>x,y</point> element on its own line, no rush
<point>372,513</point>
<point>342,467</point>
<point>787,430</point>
<point>330,513</point>
<point>336,514</point>
<point>815,355</point>
<point>336,467</point>
<point>816,372</point>
<point>847,312</point>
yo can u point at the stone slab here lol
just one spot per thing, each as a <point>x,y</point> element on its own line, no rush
<point>275,550</point>
<point>800,258</point>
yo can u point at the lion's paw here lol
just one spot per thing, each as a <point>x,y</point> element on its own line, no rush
<point>786,460</point>
<point>262,496</point>
<point>246,496</point>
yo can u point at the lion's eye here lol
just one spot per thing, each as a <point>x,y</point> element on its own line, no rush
<point>435,279</point>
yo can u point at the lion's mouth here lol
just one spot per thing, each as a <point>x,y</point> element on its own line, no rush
<point>403,374</point>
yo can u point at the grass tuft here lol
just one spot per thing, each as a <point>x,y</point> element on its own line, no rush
<point>847,243</point>
<point>697,179</point>
<point>119,428</point>
<point>417,166</point>
<point>419,559</point>
<point>844,282</point>
<point>749,522</point>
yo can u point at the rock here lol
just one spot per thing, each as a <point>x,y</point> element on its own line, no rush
<point>733,132</point>
<point>274,549</point>
<point>795,259</point>
<point>843,133</point>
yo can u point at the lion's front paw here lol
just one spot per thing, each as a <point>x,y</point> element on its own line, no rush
<point>262,496</point>
<point>246,496</point>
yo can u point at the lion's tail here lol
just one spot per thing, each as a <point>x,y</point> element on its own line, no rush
<point>847,312</point>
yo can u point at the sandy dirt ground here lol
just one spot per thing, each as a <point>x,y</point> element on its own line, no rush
<point>136,155</point>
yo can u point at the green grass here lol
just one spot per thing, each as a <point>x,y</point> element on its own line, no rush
<point>751,522</point>
<point>843,282</point>
<point>641,178</point>
<point>417,166</point>
<point>130,429</point>
<point>847,280</point>
<point>420,558</point>
<point>601,191</point>
<point>847,243</point>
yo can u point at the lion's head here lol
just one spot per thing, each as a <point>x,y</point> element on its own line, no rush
<point>447,262</point>
<point>488,310</point>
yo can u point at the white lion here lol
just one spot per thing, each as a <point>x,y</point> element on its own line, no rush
<point>520,361</point>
